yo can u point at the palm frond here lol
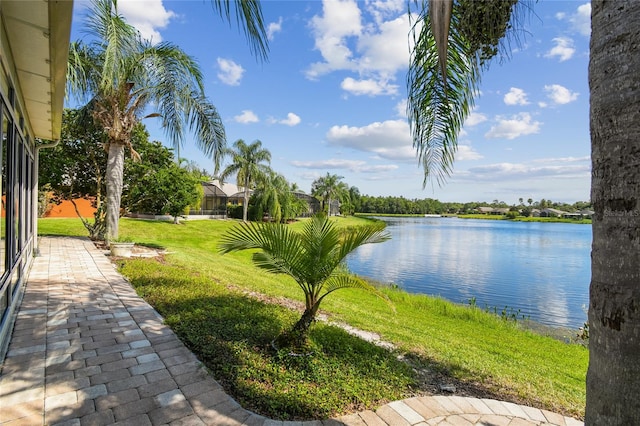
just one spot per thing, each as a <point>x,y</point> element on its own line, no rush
<point>343,279</point>
<point>115,38</point>
<point>204,120</point>
<point>436,107</point>
<point>81,71</point>
<point>281,250</point>
<point>440,15</point>
<point>353,239</point>
<point>249,17</point>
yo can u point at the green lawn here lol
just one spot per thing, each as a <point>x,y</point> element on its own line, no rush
<point>223,308</point>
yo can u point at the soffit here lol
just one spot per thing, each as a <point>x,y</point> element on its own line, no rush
<point>38,32</point>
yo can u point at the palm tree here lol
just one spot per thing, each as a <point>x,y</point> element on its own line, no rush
<point>274,196</point>
<point>329,188</point>
<point>613,378</point>
<point>246,163</point>
<point>314,258</point>
<point>121,75</point>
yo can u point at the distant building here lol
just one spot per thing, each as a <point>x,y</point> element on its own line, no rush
<point>552,213</point>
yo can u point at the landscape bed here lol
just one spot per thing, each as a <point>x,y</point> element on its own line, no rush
<point>228,311</point>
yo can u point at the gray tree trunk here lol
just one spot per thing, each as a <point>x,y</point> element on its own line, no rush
<point>114,177</point>
<point>613,378</point>
<point>245,204</point>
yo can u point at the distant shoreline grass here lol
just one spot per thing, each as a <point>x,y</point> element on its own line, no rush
<point>227,311</point>
<point>488,217</point>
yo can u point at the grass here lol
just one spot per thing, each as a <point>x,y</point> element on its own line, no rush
<point>221,306</point>
<point>525,219</point>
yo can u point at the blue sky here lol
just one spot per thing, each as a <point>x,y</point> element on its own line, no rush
<point>332,97</point>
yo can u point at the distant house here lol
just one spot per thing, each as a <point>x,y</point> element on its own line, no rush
<point>498,211</point>
<point>535,213</point>
<point>552,213</point>
<point>312,202</point>
<point>583,214</point>
<point>492,210</point>
<point>217,196</point>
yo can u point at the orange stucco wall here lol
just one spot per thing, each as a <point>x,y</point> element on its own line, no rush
<point>66,209</point>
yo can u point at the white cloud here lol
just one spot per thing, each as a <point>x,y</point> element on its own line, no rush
<point>401,108</point>
<point>273,28</point>
<point>585,158</point>
<point>563,49</point>
<point>230,73</point>
<point>560,95</point>
<point>516,96</point>
<point>291,120</point>
<point>340,19</point>
<point>376,51</point>
<point>368,87</point>
<point>389,139</point>
<point>246,117</point>
<point>474,119</point>
<point>580,20</point>
<point>147,16</point>
<point>467,153</point>
<point>510,128</point>
<point>384,49</point>
<point>529,171</point>
<point>351,165</point>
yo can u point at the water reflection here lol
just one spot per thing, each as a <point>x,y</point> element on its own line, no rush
<point>542,269</point>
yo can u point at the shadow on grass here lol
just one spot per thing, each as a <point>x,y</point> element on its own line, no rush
<point>231,334</point>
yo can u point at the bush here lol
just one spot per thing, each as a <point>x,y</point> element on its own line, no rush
<point>512,215</point>
<point>234,212</point>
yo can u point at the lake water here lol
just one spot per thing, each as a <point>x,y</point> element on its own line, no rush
<point>542,269</point>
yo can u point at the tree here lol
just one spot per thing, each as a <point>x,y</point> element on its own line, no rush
<point>530,200</point>
<point>169,190</point>
<point>274,196</point>
<point>314,258</point>
<point>75,167</point>
<point>328,188</point>
<point>156,184</point>
<point>122,75</point>
<point>613,377</point>
<point>247,163</point>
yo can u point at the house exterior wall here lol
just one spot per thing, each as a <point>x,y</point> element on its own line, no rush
<point>17,186</point>
<point>18,152</point>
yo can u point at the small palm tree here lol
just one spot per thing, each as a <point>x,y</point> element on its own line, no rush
<point>247,163</point>
<point>314,258</point>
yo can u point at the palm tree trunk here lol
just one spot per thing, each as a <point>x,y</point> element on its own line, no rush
<point>245,204</point>
<point>613,377</point>
<point>114,177</point>
<point>296,338</point>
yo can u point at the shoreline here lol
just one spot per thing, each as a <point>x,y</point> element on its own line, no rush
<point>485,217</point>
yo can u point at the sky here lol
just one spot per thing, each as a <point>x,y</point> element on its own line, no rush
<point>332,96</point>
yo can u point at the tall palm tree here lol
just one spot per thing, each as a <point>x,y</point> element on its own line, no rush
<point>314,258</point>
<point>613,378</point>
<point>329,188</point>
<point>122,76</point>
<point>247,163</point>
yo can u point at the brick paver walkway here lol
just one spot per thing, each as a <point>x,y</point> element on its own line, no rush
<point>86,350</point>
